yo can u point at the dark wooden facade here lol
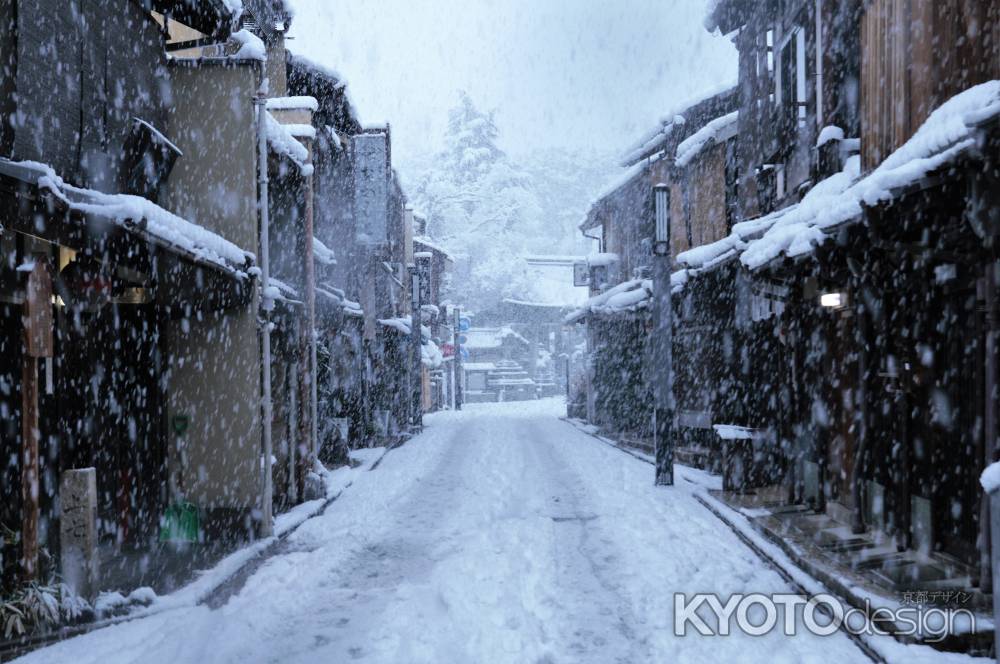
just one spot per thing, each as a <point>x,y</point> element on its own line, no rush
<point>917,54</point>
<point>107,62</point>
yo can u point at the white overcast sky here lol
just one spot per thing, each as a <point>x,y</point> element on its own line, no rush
<point>570,73</point>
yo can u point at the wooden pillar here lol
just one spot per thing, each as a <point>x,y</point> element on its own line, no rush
<point>37,344</point>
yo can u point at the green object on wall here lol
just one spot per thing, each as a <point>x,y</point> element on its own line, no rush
<point>181,424</point>
<point>180,524</point>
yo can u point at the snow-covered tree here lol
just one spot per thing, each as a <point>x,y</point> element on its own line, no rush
<point>491,209</point>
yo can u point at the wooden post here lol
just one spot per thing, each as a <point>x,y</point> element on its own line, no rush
<point>416,341</point>
<point>458,360</point>
<point>37,343</point>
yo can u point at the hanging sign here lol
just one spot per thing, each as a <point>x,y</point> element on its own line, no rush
<point>38,312</point>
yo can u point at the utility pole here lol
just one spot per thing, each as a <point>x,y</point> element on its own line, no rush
<point>662,342</point>
<point>416,389</point>
<point>38,344</point>
<point>458,360</point>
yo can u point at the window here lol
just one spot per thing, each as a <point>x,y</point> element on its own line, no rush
<point>769,51</point>
<point>792,78</point>
<point>800,76</point>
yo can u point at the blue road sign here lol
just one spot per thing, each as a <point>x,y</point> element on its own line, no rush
<point>462,340</point>
<point>464,324</point>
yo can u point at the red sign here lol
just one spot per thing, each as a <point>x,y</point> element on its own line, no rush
<point>447,350</point>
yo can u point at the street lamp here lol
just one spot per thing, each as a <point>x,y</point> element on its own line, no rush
<point>662,341</point>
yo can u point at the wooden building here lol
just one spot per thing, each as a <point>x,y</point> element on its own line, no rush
<point>133,380</point>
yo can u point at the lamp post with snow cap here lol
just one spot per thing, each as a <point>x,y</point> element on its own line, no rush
<point>662,341</point>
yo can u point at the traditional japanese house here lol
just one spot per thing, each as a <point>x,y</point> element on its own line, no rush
<point>122,372</point>
<point>883,276</point>
<point>435,265</point>
<point>688,150</point>
<point>798,126</point>
<point>341,381</point>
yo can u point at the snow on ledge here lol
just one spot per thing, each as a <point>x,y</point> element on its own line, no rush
<point>283,142</point>
<point>626,297</point>
<point>300,103</point>
<point>797,230</point>
<point>990,479</point>
<point>251,46</point>
<point>137,212</point>
<point>323,254</point>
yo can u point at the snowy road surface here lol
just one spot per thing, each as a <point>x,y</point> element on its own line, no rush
<point>502,534</point>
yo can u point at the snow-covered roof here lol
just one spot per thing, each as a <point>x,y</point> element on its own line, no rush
<point>797,230</point>
<point>138,215</point>
<point>332,76</point>
<point>284,143</point>
<point>628,296</point>
<point>323,254</point>
<point>301,130</point>
<point>717,130</point>
<point>540,305</point>
<point>479,366</point>
<point>602,259</point>
<point>281,291</point>
<point>402,325</point>
<point>251,46</point>
<point>651,142</point>
<point>628,175</point>
<point>430,354</point>
<point>302,102</point>
<point>428,243</point>
<point>484,338</point>
<point>338,298</point>
<point>654,140</point>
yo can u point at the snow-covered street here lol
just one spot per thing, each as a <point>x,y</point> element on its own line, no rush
<point>501,534</point>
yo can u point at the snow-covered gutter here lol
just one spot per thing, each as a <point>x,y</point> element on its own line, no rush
<point>267,303</point>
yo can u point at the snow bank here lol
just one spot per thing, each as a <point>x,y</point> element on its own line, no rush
<point>692,146</point>
<point>137,213</point>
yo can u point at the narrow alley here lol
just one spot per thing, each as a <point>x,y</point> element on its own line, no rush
<point>501,534</point>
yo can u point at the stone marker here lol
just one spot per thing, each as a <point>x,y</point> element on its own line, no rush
<point>78,531</point>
